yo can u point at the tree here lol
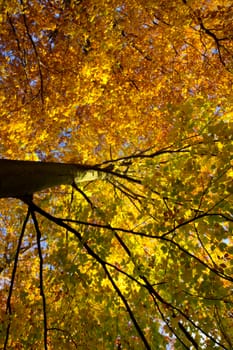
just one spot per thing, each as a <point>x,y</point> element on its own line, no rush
<point>133,249</point>
<point>20,179</point>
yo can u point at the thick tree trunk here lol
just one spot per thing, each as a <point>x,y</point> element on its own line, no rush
<point>22,178</point>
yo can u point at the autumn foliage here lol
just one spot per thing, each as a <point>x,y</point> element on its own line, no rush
<point>142,258</point>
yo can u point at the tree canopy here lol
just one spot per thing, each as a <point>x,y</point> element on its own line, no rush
<point>140,92</point>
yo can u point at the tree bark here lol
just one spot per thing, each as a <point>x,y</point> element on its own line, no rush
<point>23,178</point>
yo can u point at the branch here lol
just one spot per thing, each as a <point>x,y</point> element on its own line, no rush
<point>167,323</point>
<point>188,335</point>
<point>34,208</point>
<point>36,55</point>
<point>156,296</point>
<point>42,293</point>
<point>162,237</point>
<point>65,332</point>
<point>147,284</point>
<point>8,305</point>
<point>123,299</point>
<point>83,194</point>
<point>144,154</point>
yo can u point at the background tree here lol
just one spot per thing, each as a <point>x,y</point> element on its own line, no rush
<point>142,256</point>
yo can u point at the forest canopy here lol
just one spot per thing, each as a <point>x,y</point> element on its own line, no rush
<point>135,249</point>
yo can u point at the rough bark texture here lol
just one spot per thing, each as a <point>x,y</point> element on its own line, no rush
<point>22,178</point>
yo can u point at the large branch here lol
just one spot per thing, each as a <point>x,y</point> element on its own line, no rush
<point>22,178</point>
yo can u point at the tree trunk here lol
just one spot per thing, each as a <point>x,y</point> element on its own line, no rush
<point>22,178</point>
